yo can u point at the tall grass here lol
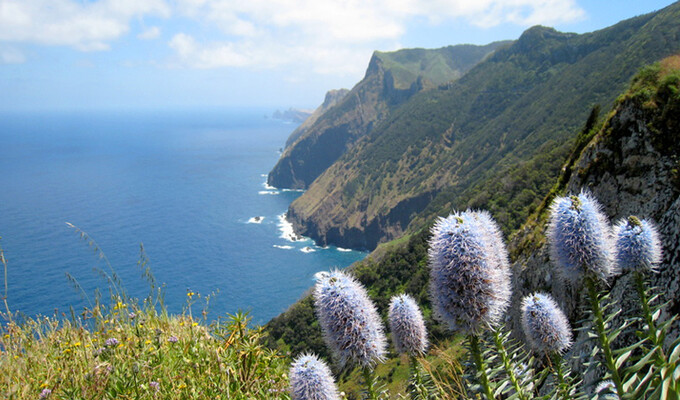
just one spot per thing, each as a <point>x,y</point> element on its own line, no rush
<point>126,348</point>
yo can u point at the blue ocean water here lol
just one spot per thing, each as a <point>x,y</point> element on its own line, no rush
<point>189,185</point>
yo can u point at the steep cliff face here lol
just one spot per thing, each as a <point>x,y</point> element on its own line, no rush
<point>332,98</point>
<point>493,139</point>
<point>632,167</point>
<point>391,79</point>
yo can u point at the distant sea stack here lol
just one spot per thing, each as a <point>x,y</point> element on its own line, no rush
<point>391,79</point>
<point>294,115</point>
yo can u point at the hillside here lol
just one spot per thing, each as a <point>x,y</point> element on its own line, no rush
<point>332,98</point>
<point>390,80</point>
<point>630,162</point>
<point>494,139</point>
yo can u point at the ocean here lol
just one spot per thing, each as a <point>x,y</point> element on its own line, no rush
<point>188,185</point>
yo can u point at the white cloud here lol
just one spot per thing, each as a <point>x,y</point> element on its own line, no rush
<point>86,26</point>
<point>330,35</point>
<point>153,32</point>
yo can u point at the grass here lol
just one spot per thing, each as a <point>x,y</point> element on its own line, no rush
<point>130,349</point>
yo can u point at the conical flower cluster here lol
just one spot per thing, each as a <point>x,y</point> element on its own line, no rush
<point>311,379</point>
<point>407,326</point>
<point>638,247</point>
<point>349,320</point>
<point>580,238</point>
<point>545,326</point>
<point>470,277</point>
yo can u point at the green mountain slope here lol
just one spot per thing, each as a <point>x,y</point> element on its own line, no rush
<point>493,139</point>
<point>390,80</point>
<point>630,162</point>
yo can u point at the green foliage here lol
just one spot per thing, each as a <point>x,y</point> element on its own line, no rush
<point>496,138</point>
<point>130,349</point>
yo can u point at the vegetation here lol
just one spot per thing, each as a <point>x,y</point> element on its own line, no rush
<point>401,266</point>
<point>391,79</point>
<point>129,349</point>
<point>494,139</point>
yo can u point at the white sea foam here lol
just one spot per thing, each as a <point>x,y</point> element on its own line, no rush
<point>320,274</point>
<point>293,190</point>
<point>268,192</point>
<point>268,186</point>
<point>256,220</point>
<point>345,250</point>
<point>307,249</point>
<point>278,246</point>
<point>287,231</point>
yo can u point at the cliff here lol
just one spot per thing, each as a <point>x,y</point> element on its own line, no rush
<point>629,161</point>
<point>631,165</point>
<point>332,98</point>
<point>391,79</point>
<point>493,139</point>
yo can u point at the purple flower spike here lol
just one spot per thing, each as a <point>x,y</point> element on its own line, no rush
<point>45,393</point>
<point>580,238</point>
<point>407,326</point>
<point>545,326</point>
<point>310,379</point>
<point>111,342</point>
<point>349,320</point>
<point>638,247</point>
<point>469,274</point>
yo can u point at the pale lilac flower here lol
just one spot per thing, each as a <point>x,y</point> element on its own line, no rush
<point>580,238</point>
<point>173,339</point>
<point>111,342</point>
<point>469,274</point>
<point>155,385</point>
<point>545,325</point>
<point>349,320</point>
<point>45,393</point>
<point>311,379</point>
<point>638,247</point>
<point>407,326</point>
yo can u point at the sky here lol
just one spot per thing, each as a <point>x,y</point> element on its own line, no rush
<point>168,54</point>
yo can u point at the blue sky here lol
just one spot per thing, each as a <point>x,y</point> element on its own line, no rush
<point>90,54</point>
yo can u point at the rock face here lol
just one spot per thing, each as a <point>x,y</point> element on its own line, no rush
<point>390,80</point>
<point>457,146</point>
<point>332,98</point>
<point>631,167</point>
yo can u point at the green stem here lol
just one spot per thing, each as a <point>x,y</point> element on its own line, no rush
<point>508,364</point>
<point>417,380</point>
<point>598,320</point>
<point>562,387</point>
<point>652,332</point>
<point>369,379</point>
<point>481,367</point>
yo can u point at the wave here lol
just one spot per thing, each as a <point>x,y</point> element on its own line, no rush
<point>343,250</point>
<point>268,186</point>
<point>278,246</point>
<point>287,231</point>
<point>307,249</point>
<point>268,192</point>
<point>293,190</point>
<point>255,220</point>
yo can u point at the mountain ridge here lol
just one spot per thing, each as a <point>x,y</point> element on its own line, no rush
<point>391,79</point>
<point>439,149</point>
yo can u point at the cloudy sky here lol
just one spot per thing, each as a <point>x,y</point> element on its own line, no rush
<point>82,54</point>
